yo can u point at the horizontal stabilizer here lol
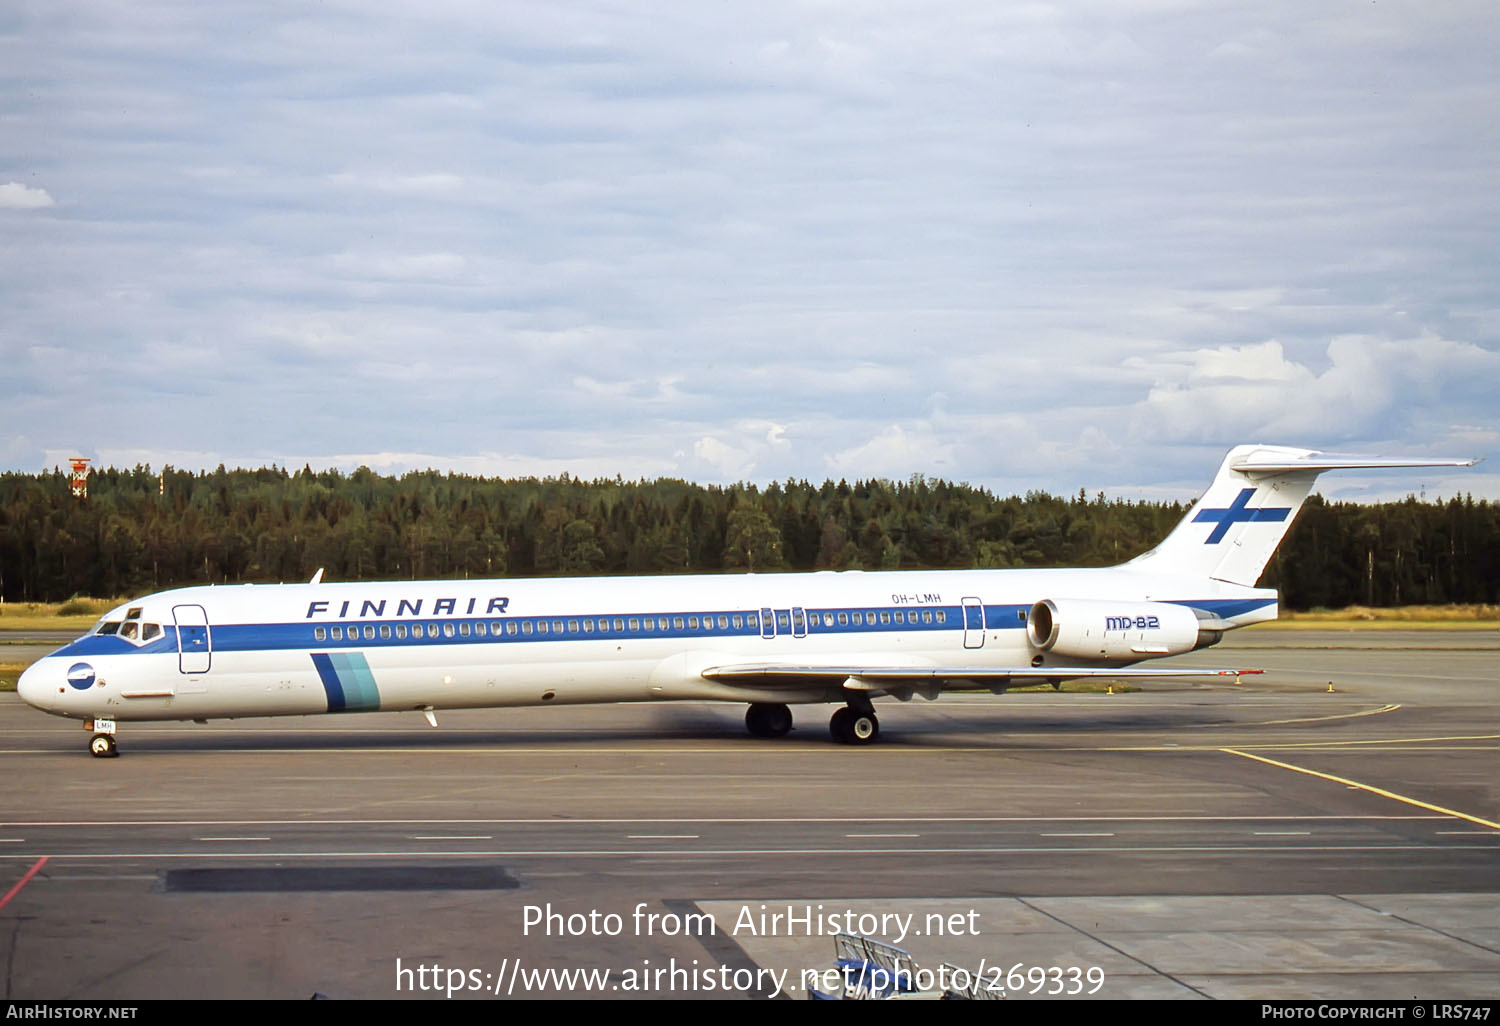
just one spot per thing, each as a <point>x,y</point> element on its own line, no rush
<point>1275,461</point>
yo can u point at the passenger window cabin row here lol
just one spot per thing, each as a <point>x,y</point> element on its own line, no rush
<point>632,625</point>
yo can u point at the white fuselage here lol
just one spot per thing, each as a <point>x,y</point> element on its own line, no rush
<point>256,650</point>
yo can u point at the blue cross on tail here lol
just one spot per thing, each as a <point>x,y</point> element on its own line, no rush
<point>1238,514</point>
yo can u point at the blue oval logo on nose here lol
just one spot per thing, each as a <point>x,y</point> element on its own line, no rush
<point>81,675</point>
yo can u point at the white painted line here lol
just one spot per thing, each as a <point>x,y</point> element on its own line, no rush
<point>12,840</point>
<point>661,837</point>
<point>882,835</point>
<point>1283,833</point>
<point>695,820</point>
<point>1230,849</point>
<point>452,837</point>
<point>1466,833</point>
<point>1077,835</point>
<point>231,838</point>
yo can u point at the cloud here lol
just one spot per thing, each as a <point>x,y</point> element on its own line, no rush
<point>749,450</point>
<point>398,266</point>
<point>896,454</point>
<point>434,183</point>
<point>1036,246</point>
<point>15,196</point>
<point>725,461</point>
<point>1369,385</point>
<point>496,464</point>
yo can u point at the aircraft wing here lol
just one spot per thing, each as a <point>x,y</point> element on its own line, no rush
<point>874,678</point>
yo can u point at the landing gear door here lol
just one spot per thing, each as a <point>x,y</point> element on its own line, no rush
<point>194,643</point>
<point>973,623</point>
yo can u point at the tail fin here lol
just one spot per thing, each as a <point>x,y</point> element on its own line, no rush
<point>1231,531</point>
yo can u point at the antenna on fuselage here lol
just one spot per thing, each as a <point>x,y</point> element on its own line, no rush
<point>317,577</point>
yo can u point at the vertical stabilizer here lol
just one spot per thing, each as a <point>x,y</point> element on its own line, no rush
<point>1231,532</point>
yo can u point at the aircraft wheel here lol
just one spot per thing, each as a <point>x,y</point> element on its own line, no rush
<point>778,719</point>
<point>768,719</point>
<point>755,721</point>
<point>838,725</point>
<point>863,728</point>
<point>102,746</point>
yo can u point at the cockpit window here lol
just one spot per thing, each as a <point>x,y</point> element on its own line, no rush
<point>134,631</point>
<point>134,613</point>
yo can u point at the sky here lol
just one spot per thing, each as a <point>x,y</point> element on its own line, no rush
<point>1055,246</point>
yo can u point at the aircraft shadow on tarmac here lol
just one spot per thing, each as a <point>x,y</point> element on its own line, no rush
<point>958,728</point>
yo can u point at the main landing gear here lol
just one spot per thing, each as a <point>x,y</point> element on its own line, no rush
<point>768,719</point>
<point>854,724</point>
<point>102,744</point>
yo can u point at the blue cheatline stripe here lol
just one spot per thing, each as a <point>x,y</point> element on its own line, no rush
<point>1226,608</point>
<point>347,681</point>
<point>568,627</point>
<point>349,684</point>
<point>331,685</point>
<point>355,684</point>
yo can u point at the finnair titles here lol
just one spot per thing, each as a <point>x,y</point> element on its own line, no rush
<point>768,641</point>
<point>410,607</point>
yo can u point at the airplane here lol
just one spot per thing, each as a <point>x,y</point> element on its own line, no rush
<point>767,640</point>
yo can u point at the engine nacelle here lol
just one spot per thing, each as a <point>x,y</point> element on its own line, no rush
<point>1100,629</point>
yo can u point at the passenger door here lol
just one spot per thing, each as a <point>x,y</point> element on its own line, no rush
<point>194,641</point>
<point>973,623</point>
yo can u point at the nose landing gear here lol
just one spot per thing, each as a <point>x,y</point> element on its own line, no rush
<point>102,744</point>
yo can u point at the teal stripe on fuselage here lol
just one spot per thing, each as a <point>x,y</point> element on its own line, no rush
<point>347,680</point>
<point>360,692</point>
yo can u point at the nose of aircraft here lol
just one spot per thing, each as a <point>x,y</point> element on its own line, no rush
<point>33,687</point>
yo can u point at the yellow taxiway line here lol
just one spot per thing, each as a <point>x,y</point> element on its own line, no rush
<point>1365,787</point>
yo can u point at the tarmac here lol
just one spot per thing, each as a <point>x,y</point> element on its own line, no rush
<point>1269,840</point>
